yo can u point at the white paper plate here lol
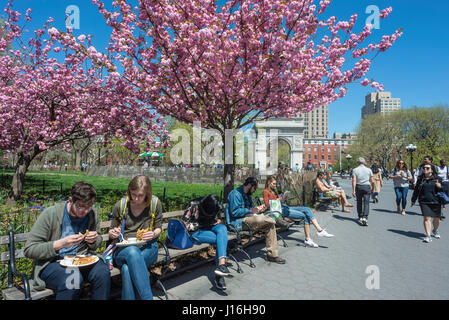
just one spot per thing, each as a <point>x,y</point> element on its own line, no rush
<point>70,265</point>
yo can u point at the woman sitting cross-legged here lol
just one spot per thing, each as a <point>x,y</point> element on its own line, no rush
<point>203,218</point>
<point>294,212</point>
<point>331,191</point>
<point>140,214</point>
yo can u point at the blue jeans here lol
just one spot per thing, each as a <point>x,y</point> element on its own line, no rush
<point>217,235</point>
<point>298,213</point>
<point>401,194</point>
<point>67,281</point>
<point>134,263</point>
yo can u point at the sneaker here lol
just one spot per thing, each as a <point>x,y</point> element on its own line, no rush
<point>427,239</point>
<point>403,212</point>
<point>223,271</point>
<point>436,234</point>
<point>310,243</point>
<point>220,283</point>
<point>365,222</point>
<point>324,233</point>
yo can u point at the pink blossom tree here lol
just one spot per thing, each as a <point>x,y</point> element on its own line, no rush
<point>53,90</point>
<point>227,66</point>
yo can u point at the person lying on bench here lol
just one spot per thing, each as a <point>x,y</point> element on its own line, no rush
<point>329,191</point>
<point>68,229</point>
<point>294,212</point>
<point>204,220</point>
<point>140,217</point>
<point>240,209</point>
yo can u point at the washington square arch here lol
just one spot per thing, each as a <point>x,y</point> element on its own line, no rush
<point>272,133</point>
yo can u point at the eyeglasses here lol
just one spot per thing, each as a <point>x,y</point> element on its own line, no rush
<point>83,208</point>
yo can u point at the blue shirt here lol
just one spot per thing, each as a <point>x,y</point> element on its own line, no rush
<point>70,226</point>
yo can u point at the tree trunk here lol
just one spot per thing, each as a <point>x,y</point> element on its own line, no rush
<point>23,162</point>
<point>229,169</point>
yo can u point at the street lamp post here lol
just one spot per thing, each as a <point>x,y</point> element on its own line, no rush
<point>411,148</point>
<point>348,157</point>
<point>99,143</point>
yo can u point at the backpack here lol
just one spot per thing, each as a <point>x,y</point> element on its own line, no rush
<point>177,235</point>
<point>202,213</point>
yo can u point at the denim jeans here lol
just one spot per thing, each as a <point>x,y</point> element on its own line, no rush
<point>362,193</point>
<point>298,213</point>
<point>217,235</point>
<point>67,281</point>
<point>401,195</point>
<point>134,263</point>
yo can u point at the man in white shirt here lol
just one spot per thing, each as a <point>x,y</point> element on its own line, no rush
<point>362,187</point>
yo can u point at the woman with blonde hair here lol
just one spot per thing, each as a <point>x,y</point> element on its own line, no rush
<point>139,215</point>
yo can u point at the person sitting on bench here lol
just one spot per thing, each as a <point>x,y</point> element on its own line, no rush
<point>294,212</point>
<point>329,191</point>
<point>241,209</point>
<point>68,229</point>
<point>204,220</point>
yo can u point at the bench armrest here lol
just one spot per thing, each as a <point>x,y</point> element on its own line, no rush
<point>12,271</point>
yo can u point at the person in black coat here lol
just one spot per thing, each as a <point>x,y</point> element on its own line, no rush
<point>427,186</point>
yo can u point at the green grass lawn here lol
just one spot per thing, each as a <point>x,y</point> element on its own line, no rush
<point>48,184</point>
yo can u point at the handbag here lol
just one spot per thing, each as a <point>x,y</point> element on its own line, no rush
<point>275,210</point>
<point>177,235</point>
<point>442,197</point>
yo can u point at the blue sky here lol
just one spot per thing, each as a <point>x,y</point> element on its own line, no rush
<point>415,68</point>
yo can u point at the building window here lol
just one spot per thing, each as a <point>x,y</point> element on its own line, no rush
<point>315,157</point>
<point>310,156</point>
<point>322,157</point>
<point>328,157</point>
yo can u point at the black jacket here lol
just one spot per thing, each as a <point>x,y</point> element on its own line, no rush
<point>425,191</point>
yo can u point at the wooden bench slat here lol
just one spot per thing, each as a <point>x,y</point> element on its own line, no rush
<point>16,294</point>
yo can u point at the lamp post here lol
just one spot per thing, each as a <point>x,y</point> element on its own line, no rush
<point>411,148</point>
<point>348,157</point>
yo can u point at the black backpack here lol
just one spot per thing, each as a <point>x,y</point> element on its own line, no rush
<point>202,213</point>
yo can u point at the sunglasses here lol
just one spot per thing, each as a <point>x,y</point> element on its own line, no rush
<point>427,168</point>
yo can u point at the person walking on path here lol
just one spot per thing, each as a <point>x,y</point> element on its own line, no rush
<point>419,170</point>
<point>401,178</point>
<point>443,173</point>
<point>362,186</point>
<point>427,185</point>
<point>377,182</point>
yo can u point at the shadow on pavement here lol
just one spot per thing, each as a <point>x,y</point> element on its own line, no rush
<point>411,234</point>
<point>355,220</point>
<point>409,213</point>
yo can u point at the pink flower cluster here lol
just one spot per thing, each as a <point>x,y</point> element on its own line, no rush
<point>47,102</point>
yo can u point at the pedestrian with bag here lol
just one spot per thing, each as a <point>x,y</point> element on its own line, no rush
<point>377,182</point>
<point>443,173</point>
<point>138,215</point>
<point>295,213</point>
<point>427,187</point>
<point>402,177</point>
<point>362,186</point>
<point>204,221</point>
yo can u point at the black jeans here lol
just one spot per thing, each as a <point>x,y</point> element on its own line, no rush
<point>362,193</point>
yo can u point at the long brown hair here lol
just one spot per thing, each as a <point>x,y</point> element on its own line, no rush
<point>141,183</point>
<point>398,167</point>
<point>268,182</point>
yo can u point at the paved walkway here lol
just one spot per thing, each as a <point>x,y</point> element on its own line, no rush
<point>386,260</point>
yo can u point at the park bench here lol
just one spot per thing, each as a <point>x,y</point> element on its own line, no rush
<point>22,292</point>
<point>324,203</point>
